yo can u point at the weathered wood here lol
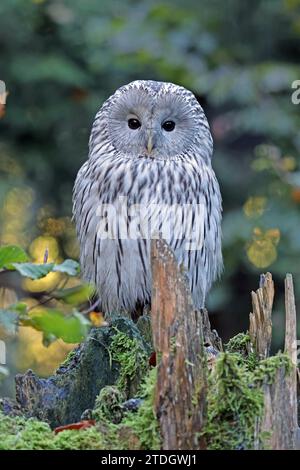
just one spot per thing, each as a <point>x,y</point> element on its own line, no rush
<point>280,397</point>
<point>260,329</point>
<point>290,346</point>
<point>291,350</point>
<point>278,419</point>
<point>180,394</point>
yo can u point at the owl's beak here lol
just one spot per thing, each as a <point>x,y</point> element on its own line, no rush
<point>150,144</point>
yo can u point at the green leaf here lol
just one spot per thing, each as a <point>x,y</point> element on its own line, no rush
<point>20,308</point>
<point>75,295</point>
<point>34,271</point>
<point>71,329</point>
<point>69,266</point>
<point>37,271</point>
<point>8,320</point>
<point>10,254</point>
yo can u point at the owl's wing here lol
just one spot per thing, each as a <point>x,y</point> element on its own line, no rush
<point>196,239</point>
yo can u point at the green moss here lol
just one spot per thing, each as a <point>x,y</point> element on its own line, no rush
<point>31,434</point>
<point>132,359</point>
<point>87,439</point>
<point>139,429</point>
<point>108,404</point>
<point>114,429</point>
<point>267,368</point>
<point>234,404</point>
<point>235,397</point>
<point>19,433</point>
<point>239,343</point>
<point>144,423</point>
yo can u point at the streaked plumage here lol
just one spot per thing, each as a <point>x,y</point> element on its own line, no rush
<point>176,171</point>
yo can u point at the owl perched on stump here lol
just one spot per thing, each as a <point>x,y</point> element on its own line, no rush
<point>148,175</point>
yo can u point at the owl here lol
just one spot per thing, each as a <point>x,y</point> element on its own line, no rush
<point>148,175</point>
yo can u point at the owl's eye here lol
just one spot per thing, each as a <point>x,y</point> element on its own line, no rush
<point>134,123</point>
<point>168,126</point>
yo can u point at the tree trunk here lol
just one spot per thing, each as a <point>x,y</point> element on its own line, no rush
<point>178,341</point>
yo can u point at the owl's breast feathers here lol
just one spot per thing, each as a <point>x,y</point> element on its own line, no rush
<point>179,200</point>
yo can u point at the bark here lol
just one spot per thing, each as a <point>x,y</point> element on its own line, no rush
<point>180,396</point>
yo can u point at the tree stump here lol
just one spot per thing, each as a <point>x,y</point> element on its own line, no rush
<point>178,341</point>
<point>280,398</point>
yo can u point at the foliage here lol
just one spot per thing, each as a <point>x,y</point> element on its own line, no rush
<point>53,323</point>
<point>72,327</point>
<point>11,254</point>
<point>37,271</point>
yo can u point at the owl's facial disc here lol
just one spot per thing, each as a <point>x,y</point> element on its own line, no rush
<point>159,126</point>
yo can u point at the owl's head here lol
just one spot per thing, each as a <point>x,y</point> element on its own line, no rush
<point>148,119</point>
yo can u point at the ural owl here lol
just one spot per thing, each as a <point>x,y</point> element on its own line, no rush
<point>148,174</point>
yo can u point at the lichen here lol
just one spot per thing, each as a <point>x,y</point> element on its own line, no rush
<point>131,357</point>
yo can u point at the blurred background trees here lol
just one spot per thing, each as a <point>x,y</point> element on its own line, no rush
<point>60,59</point>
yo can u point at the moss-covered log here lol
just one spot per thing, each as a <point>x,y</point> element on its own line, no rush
<point>115,354</point>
